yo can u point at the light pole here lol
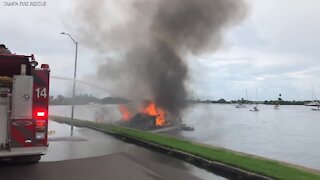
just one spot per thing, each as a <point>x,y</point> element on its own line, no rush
<point>74,79</point>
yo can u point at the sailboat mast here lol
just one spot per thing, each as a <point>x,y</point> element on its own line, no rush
<point>246,95</point>
<point>312,96</point>
<point>257,95</point>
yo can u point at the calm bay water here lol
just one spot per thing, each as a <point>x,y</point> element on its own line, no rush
<point>290,134</point>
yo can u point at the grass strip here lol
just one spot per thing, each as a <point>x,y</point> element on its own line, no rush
<point>259,165</point>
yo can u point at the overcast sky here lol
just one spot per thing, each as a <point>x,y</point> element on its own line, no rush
<point>274,50</point>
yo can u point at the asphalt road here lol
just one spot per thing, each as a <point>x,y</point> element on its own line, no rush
<point>115,166</point>
<point>94,155</point>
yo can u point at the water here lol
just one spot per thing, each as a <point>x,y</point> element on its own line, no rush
<point>290,134</point>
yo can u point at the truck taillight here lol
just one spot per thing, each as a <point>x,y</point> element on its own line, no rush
<point>41,114</point>
<point>40,135</point>
<point>40,123</point>
<point>40,129</point>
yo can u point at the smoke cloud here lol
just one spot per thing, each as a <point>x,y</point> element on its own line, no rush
<point>143,44</point>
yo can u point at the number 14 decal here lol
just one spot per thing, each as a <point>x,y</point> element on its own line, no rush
<point>41,92</point>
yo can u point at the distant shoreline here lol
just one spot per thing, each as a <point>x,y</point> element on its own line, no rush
<point>89,99</point>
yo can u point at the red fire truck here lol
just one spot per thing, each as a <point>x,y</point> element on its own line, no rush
<point>24,95</point>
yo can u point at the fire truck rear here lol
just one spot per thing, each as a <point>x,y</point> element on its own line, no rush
<point>24,95</point>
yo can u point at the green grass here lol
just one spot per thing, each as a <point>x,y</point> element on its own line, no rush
<point>259,165</point>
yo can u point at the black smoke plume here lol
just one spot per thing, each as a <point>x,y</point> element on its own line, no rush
<point>143,44</point>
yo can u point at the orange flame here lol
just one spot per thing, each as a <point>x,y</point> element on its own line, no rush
<point>153,110</point>
<point>126,114</point>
